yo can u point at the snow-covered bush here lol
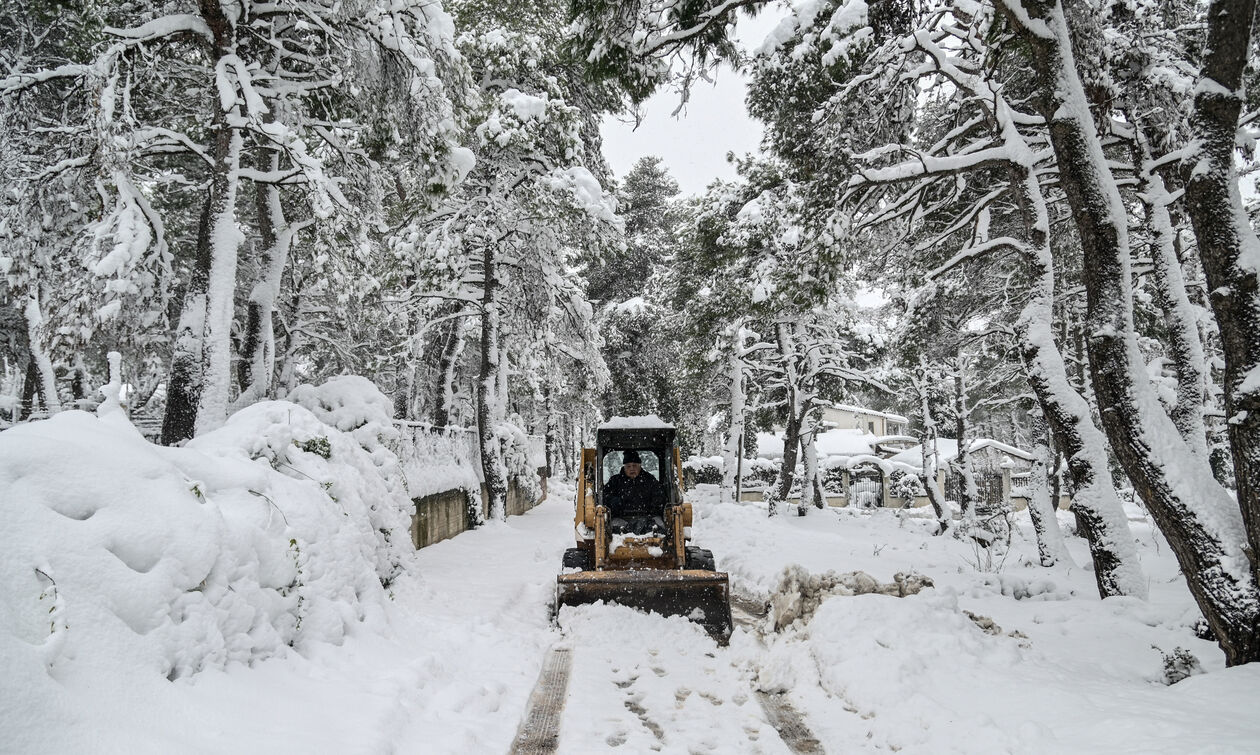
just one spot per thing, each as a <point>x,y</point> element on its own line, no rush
<point>905,486</point>
<point>1179,664</point>
<point>760,471</point>
<point>520,459</point>
<point>703,470</point>
<point>280,529</point>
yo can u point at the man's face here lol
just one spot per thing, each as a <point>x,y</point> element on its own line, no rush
<point>632,469</point>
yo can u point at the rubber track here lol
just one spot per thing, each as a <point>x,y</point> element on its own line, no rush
<point>540,729</point>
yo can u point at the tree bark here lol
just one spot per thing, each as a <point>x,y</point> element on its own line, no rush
<point>928,473</point>
<point>200,376</point>
<point>1041,509</point>
<point>1099,512</point>
<point>809,462</point>
<point>487,395</point>
<point>1228,246</point>
<point>967,491</point>
<point>46,377</point>
<point>792,433</point>
<point>447,367</point>
<point>1198,517</point>
<point>225,240</point>
<point>183,388</point>
<point>1184,343</point>
<point>738,408</point>
<point>258,354</point>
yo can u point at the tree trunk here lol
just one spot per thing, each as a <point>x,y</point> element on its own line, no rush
<point>551,431</point>
<point>731,461</point>
<point>1041,509</point>
<point>791,434</point>
<point>1198,517</point>
<point>46,377</point>
<point>200,376</point>
<point>258,355</point>
<point>1179,315</point>
<point>487,398</point>
<point>30,389</point>
<point>928,474</point>
<point>809,466</point>
<point>1099,512</point>
<point>183,388</point>
<point>967,491</point>
<point>1228,246</point>
<point>225,241</point>
<point>447,367</point>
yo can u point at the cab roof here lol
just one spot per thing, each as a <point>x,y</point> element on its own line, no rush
<point>645,422</point>
<point>635,432</point>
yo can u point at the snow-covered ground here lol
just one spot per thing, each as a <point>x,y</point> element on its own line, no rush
<point>444,658</point>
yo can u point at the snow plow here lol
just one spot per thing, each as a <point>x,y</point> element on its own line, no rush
<point>633,537</point>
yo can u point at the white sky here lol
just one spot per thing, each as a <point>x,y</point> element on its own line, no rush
<point>695,144</point>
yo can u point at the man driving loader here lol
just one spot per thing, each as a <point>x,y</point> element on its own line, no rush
<point>635,499</point>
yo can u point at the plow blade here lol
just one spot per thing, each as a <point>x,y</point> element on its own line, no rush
<point>701,596</point>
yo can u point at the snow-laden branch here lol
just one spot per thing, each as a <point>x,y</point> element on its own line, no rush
<point>167,26</point>
<point>1002,243</point>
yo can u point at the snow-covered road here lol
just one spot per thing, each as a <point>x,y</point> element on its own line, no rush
<point>997,657</point>
<point>1061,672</point>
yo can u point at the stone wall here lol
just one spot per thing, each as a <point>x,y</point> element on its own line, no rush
<point>445,515</point>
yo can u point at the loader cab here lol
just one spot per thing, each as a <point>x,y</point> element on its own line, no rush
<point>655,447</point>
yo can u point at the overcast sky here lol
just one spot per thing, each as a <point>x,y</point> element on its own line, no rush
<point>694,145</point>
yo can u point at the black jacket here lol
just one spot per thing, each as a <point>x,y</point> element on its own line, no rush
<point>639,496</point>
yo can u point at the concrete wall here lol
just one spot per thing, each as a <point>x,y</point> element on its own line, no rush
<point>445,515</point>
<point>439,516</point>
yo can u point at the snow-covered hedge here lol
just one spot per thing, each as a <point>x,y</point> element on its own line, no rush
<point>282,528</point>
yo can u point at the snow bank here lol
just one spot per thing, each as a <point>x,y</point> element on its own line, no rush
<point>800,593</point>
<point>280,529</point>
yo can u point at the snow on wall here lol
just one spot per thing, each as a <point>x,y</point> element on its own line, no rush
<point>277,530</point>
<point>438,459</point>
<point>435,460</point>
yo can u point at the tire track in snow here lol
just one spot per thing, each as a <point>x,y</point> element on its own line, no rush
<point>539,731</point>
<point>778,708</point>
<point>540,728</point>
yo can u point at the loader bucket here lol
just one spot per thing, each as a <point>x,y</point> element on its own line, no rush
<point>700,595</point>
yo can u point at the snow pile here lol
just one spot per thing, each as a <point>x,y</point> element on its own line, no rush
<point>918,655</point>
<point>800,593</point>
<point>279,529</point>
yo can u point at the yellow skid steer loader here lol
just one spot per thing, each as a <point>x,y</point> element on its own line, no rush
<point>640,559</point>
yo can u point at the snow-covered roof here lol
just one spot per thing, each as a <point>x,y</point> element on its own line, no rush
<point>646,422</point>
<point>835,442</point>
<point>886,439</point>
<point>947,449</point>
<point>870,412</point>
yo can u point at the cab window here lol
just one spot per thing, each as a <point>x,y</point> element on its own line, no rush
<point>612,463</point>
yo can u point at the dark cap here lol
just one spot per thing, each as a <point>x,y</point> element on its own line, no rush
<point>631,457</point>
